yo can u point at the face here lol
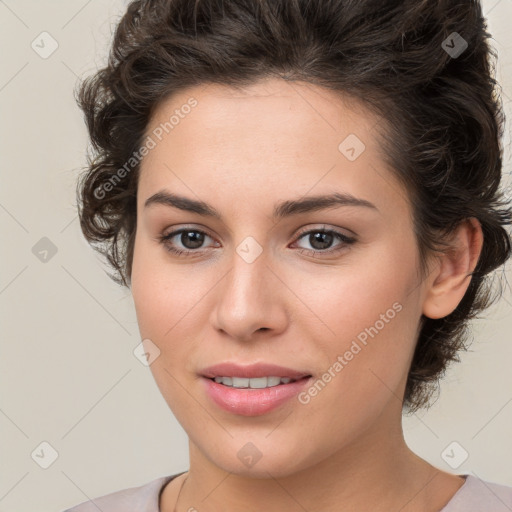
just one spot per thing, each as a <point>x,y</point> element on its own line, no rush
<point>332,292</point>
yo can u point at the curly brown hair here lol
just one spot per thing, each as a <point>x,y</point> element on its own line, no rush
<point>425,67</point>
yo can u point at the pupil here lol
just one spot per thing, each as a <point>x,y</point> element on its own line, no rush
<point>318,237</point>
<point>195,236</point>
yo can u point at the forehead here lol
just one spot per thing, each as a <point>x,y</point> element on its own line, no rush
<point>272,138</point>
<point>270,110</point>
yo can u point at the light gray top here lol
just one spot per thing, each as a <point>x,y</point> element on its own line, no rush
<point>475,495</point>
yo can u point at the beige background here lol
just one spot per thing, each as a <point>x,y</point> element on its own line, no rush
<point>68,373</point>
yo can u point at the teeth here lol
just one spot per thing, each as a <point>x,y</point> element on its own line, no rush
<point>240,382</point>
<point>255,383</point>
<point>275,381</point>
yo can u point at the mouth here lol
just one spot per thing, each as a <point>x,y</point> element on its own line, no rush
<point>255,382</point>
<point>252,389</point>
<point>231,373</point>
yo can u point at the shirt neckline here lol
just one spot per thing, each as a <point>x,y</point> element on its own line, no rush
<point>162,487</point>
<point>168,479</point>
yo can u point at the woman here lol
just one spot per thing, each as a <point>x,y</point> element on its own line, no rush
<point>303,198</point>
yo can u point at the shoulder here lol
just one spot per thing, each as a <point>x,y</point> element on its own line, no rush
<point>134,499</point>
<point>478,495</point>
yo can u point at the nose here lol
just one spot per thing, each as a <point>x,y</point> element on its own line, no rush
<point>250,298</point>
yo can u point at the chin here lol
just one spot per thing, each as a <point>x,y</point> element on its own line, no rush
<point>261,458</point>
<point>273,467</point>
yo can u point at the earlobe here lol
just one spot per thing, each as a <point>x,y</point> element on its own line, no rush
<point>450,279</point>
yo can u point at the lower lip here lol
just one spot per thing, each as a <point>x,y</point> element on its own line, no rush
<point>252,402</point>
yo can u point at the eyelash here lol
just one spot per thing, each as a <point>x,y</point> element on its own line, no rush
<point>164,239</point>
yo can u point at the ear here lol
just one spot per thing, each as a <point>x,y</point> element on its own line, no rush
<point>450,278</point>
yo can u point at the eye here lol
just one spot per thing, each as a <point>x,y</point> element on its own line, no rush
<point>322,239</point>
<point>190,238</point>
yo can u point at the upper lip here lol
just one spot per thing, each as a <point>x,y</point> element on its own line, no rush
<point>229,369</point>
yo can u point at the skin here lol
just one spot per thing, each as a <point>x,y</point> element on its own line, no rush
<point>242,151</point>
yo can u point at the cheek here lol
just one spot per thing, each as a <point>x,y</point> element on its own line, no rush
<point>368,315</point>
<point>144,290</point>
<point>162,300</point>
<point>353,296</point>
<point>169,301</point>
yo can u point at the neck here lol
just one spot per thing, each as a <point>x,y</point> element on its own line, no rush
<point>370,473</point>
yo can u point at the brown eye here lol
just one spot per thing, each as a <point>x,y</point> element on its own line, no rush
<point>190,240</point>
<point>321,241</point>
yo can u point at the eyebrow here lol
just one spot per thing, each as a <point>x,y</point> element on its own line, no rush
<point>281,210</point>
